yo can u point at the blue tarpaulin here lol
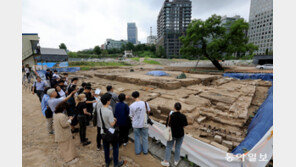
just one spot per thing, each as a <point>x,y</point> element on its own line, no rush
<point>64,64</point>
<point>157,73</point>
<point>262,121</point>
<point>263,76</point>
<point>48,64</point>
<point>69,69</point>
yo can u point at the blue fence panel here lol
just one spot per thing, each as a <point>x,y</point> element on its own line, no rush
<point>262,121</point>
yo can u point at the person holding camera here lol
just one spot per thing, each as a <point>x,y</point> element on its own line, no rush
<point>139,111</point>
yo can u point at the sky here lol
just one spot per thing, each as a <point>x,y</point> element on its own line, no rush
<point>83,24</point>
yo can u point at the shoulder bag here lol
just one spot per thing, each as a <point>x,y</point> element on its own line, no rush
<point>107,135</point>
<point>168,131</point>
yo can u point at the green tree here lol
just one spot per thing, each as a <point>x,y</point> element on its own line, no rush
<point>160,52</point>
<point>97,50</point>
<point>128,46</point>
<point>63,46</point>
<point>210,39</point>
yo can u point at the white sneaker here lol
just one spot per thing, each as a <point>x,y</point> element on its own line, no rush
<point>164,163</point>
<point>176,163</point>
<point>124,144</point>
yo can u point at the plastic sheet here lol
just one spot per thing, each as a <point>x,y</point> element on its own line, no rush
<point>48,64</point>
<point>69,69</point>
<point>64,64</point>
<point>263,76</point>
<point>260,124</point>
<point>157,73</point>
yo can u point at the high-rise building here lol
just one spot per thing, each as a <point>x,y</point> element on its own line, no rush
<point>132,33</point>
<point>173,20</point>
<point>227,21</point>
<point>261,25</point>
<point>151,39</point>
<point>113,44</point>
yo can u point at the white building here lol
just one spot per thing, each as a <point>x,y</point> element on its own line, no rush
<point>261,25</point>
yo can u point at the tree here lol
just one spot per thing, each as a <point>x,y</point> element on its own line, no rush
<point>160,52</point>
<point>63,46</point>
<point>97,50</point>
<point>128,46</point>
<point>210,39</point>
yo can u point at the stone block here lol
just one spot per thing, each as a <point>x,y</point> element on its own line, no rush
<point>191,117</point>
<point>220,146</point>
<point>218,138</point>
<point>201,119</point>
<point>217,97</point>
<point>228,144</point>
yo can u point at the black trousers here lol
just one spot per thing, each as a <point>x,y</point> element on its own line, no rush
<point>40,94</point>
<point>82,128</point>
<point>99,137</point>
<point>123,134</point>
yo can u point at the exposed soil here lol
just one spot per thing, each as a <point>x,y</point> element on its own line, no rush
<point>40,150</point>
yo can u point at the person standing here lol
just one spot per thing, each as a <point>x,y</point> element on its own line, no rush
<point>39,87</point>
<point>27,71</point>
<point>46,111</point>
<point>73,82</point>
<point>56,75</point>
<point>177,121</point>
<point>82,118</point>
<point>90,100</point>
<point>60,91</point>
<point>63,134</point>
<point>139,111</point>
<point>114,97</point>
<point>122,115</point>
<point>106,117</point>
<point>97,106</point>
<point>53,101</point>
<point>48,76</point>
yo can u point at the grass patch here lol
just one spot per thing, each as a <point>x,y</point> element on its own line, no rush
<point>96,64</point>
<point>136,59</point>
<point>84,68</point>
<point>147,61</point>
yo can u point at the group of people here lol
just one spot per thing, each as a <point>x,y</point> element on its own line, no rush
<point>66,105</point>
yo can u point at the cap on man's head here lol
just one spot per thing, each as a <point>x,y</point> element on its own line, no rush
<point>50,91</point>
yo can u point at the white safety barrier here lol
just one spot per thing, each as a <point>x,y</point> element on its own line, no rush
<point>206,155</point>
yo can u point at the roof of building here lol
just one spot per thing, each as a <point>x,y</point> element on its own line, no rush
<point>52,51</point>
<point>29,33</point>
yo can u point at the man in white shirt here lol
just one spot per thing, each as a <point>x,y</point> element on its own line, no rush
<point>138,113</point>
<point>56,75</point>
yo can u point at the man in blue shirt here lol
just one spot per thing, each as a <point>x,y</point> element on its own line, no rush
<point>39,85</point>
<point>44,107</point>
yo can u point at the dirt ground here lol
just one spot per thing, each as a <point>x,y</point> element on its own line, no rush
<point>40,150</point>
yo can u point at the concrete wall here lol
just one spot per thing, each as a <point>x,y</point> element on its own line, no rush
<point>27,46</point>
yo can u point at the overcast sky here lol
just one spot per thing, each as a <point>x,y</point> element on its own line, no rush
<point>83,24</point>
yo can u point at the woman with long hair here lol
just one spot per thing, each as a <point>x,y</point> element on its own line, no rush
<point>63,134</point>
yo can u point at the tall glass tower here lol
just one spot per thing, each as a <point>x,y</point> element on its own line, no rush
<point>261,25</point>
<point>132,33</point>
